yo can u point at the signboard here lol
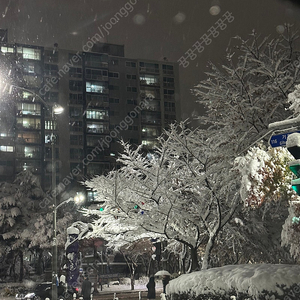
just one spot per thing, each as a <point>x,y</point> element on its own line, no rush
<point>279,140</point>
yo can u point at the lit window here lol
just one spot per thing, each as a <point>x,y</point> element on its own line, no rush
<point>7,49</point>
<point>96,114</point>
<point>7,148</point>
<point>30,53</point>
<point>149,79</point>
<point>95,87</point>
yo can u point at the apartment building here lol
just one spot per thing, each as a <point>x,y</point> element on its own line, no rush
<point>101,92</point>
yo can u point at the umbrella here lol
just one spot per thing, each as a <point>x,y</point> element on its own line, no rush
<point>162,273</point>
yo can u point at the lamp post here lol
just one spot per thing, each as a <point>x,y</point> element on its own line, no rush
<point>77,199</point>
<point>54,110</point>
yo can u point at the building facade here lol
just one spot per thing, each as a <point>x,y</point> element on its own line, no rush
<point>105,97</point>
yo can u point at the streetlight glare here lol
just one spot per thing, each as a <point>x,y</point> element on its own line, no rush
<point>79,198</point>
<point>57,109</point>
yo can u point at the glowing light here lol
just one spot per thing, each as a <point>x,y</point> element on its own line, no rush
<point>280,29</point>
<point>139,19</point>
<point>79,198</point>
<point>179,18</point>
<point>215,10</point>
<point>57,109</point>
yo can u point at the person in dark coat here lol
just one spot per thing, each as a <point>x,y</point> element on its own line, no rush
<point>165,281</point>
<point>86,289</point>
<point>151,288</point>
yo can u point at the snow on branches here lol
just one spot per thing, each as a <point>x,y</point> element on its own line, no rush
<point>294,99</point>
<point>250,91</point>
<point>290,234</point>
<point>185,191</point>
<point>265,176</point>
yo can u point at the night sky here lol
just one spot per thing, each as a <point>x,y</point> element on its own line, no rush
<point>154,29</point>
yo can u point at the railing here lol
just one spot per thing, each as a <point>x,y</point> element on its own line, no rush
<point>151,70</point>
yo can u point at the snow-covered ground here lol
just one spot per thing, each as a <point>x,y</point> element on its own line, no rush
<point>251,279</point>
<point>125,286</point>
<point>140,285</point>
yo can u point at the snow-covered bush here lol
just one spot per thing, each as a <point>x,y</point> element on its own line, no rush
<point>240,282</point>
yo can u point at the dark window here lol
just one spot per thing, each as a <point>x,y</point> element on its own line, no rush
<point>75,85</point>
<point>50,70</point>
<point>75,112</point>
<point>76,98</point>
<point>113,74</point>
<point>131,101</point>
<point>130,76</point>
<point>76,140</point>
<point>114,87</point>
<point>76,126</point>
<point>131,89</point>
<point>76,153</point>
<point>75,72</point>
<point>130,64</point>
<point>114,62</point>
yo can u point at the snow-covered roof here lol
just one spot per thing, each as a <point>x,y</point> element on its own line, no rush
<point>251,279</point>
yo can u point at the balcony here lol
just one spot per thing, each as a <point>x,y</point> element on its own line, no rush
<point>28,138</point>
<point>32,154</point>
<point>145,82</point>
<point>96,64</point>
<point>149,70</point>
<point>26,126</point>
<point>154,105</point>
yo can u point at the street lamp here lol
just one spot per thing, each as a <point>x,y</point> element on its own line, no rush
<point>55,110</point>
<point>77,199</point>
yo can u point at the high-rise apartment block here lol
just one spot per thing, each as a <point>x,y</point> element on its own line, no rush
<point>105,97</point>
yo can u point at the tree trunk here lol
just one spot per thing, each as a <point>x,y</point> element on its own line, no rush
<point>39,265</point>
<point>194,257</point>
<point>182,259</point>
<point>21,266</point>
<point>13,267</point>
<point>132,277</point>
<point>208,248</point>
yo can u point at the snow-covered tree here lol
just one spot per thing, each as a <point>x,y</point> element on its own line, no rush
<point>189,190</point>
<point>267,193</point>
<point>184,191</point>
<point>25,222</point>
<point>19,206</point>
<point>253,88</point>
<point>135,254</point>
<point>250,90</point>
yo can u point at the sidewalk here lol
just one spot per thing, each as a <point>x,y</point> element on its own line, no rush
<point>108,292</point>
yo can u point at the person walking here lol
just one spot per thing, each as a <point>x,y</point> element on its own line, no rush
<point>151,288</point>
<point>165,281</point>
<point>86,289</point>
